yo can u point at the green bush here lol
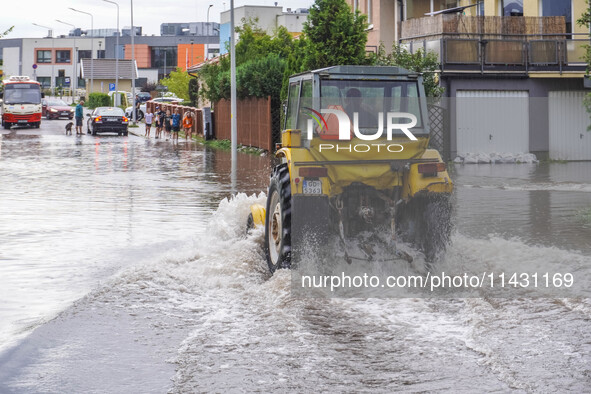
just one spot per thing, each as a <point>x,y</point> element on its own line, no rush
<point>122,100</point>
<point>98,100</point>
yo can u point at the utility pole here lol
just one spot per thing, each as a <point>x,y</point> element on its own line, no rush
<point>133,95</point>
<point>233,91</point>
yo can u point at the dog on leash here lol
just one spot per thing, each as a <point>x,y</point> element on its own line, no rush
<point>69,128</point>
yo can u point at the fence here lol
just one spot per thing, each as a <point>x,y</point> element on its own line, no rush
<point>196,113</point>
<point>438,122</point>
<point>254,122</point>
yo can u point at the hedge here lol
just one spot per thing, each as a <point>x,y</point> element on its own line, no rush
<point>98,100</point>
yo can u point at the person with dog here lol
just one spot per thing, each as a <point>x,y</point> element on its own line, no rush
<point>79,114</point>
<point>176,125</point>
<point>188,125</point>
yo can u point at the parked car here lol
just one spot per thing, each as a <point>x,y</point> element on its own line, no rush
<point>107,120</point>
<point>142,110</point>
<point>144,96</point>
<point>56,108</point>
<point>140,114</point>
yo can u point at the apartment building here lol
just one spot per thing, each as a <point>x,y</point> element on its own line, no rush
<point>268,18</point>
<point>55,61</point>
<point>513,70</point>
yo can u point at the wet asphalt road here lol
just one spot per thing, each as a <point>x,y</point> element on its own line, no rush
<point>124,268</point>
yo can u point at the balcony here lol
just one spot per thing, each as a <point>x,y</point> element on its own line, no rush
<point>497,44</point>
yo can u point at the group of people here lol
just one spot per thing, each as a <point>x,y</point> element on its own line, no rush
<point>170,123</point>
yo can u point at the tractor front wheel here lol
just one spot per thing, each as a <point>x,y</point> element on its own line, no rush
<point>278,220</point>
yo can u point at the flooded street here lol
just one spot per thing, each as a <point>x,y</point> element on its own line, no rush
<point>124,268</point>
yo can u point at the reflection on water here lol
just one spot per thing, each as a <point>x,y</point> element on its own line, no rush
<point>540,204</point>
<point>192,307</point>
<point>76,209</point>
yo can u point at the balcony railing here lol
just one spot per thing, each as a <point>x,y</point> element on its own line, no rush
<point>511,54</point>
<point>497,43</point>
<point>431,27</point>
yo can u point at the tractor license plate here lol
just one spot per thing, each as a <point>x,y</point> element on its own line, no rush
<point>22,121</point>
<point>312,186</point>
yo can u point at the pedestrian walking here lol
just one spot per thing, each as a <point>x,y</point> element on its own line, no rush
<point>149,116</point>
<point>79,113</point>
<point>176,125</point>
<point>188,125</point>
<point>168,124</point>
<point>160,122</point>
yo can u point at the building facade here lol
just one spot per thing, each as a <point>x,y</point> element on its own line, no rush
<point>268,18</point>
<point>513,71</point>
<point>55,61</point>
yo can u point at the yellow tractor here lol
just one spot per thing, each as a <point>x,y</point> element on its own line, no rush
<point>353,164</point>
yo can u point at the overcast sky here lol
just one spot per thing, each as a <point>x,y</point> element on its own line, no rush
<point>147,13</point>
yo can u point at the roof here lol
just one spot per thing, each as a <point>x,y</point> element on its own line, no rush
<point>353,71</point>
<point>451,10</point>
<point>197,67</point>
<point>105,69</point>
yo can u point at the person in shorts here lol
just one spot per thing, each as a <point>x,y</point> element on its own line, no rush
<point>79,116</point>
<point>188,125</point>
<point>149,117</point>
<point>176,125</point>
<point>159,122</point>
<point>168,124</point>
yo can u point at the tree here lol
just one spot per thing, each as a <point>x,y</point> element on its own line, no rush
<point>260,65</point>
<point>334,35</point>
<point>2,35</point>
<point>585,20</point>
<point>178,83</point>
<point>421,62</point>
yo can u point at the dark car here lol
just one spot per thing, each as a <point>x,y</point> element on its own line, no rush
<point>107,120</point>
<point>144,96</point>
<point>56,108</point>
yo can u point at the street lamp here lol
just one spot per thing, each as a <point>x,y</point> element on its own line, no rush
<point>74,83</point>
<point>207,38</point>
<point>116,54</point>
<point>133,95</point>
<point>91,47</point>
<point>50,32</point>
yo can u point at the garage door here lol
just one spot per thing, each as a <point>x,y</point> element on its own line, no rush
<point>569,138</point>
<point>492,121</point>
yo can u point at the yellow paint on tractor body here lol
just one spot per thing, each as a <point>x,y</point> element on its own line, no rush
<point>379,167</point>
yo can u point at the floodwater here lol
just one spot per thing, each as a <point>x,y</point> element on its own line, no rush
<point>123,268</point>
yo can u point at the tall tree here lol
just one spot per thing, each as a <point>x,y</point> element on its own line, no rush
<point>6,32</point>
<point>334,35</point>
<point>585,20</point>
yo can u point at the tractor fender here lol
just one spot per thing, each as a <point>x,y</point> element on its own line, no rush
<point>414,183</point>
<point>285,155</point>
<point>258,215</point>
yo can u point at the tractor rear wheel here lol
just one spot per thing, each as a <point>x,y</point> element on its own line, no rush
<point>278,220</point>
<point>426,223</point>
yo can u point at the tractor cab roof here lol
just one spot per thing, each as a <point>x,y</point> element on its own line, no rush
<point>360,72</point>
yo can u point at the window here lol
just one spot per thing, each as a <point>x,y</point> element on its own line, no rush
<point>44,56</point>
<point>83,54</point>
<point>559,8</point>
<point>44,81</point>
<point>512,7</point>
<point>62,56</point>
<point>293,95</point>
<point>369,13</point>
<point>164,59</point>
<point>100,54</point>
